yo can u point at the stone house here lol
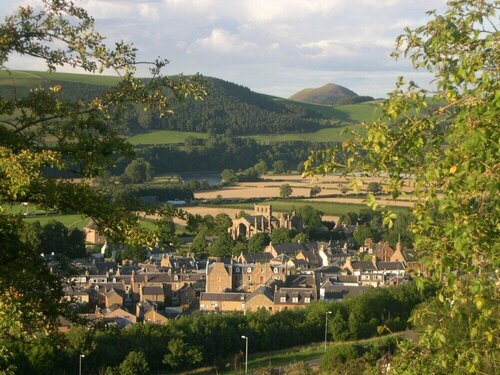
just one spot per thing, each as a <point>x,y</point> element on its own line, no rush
<point>289,298</point>
<point>261,298</point>
<point>219,277</point>
<point>92,235</point>
<point>226,302</point>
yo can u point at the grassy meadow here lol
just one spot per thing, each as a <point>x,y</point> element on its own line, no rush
<point>33,78</point>
<point>331,209</point>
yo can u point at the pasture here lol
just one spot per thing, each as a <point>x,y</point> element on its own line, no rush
<point>163,137</point>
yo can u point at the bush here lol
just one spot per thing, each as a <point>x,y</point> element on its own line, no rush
<point>339,354</point>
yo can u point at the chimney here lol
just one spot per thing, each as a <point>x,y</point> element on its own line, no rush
<point>348,263</point>
<point>374,261</point>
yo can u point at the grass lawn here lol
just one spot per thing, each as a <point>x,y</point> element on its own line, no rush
<point>70,220</point>
<point>160,137</point>
<point>328,208</point>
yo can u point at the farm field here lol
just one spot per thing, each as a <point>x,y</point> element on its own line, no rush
<point>367,111</point>
<point>270,188</point>
<point>327,134</point>
<point>159,137</point>
<point>31,78</point>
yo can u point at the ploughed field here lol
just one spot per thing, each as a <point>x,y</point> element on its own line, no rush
<point>269,188</point>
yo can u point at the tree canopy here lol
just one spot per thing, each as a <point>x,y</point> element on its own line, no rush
<point>447,139</point>
<point>44,134</point>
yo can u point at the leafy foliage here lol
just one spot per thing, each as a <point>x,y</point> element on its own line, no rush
<point>448,139</point>
<point>258,242</point>
<point>213,339</point>
<point>181,356</point>
<point>285,190</point>
<point>139,170</point>
<point>45,134</point>
<point>134,364</point>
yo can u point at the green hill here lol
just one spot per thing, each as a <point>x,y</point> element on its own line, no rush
<point>228,107</point>
<point>328,94</point>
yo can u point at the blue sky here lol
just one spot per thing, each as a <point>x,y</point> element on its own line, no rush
<point>271,46</point>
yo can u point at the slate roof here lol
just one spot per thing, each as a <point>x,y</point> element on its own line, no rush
<point>70,291</point>
<point>289,293</point>
<point>290,249</point>
<point>103,267</point>
<point>312,256</point>
<point>264,290</point>
<point>183,262</point>
<point>300,280</point>
<point>283,258</point>
<point>343,291</point>
<point>409,255</point>
<point>106,287</point>
<point>257,257</point>
<point>127,270</point>
<point>159,278</point>
<point>390,266</point>
<point>330,269</point>
<point>363,265</point>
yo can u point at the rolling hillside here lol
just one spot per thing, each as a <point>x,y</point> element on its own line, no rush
<point>228,107</point>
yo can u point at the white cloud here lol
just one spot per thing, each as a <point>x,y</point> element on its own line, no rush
<point>276,46</point>
<point>273,10</point>
<point>327,48</point>
<point>223,41</point>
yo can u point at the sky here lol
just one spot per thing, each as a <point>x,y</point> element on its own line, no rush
<point>276,47</point>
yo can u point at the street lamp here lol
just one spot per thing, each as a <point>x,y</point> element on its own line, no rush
<point>80,367</point>
<point>246,353</point>
<point>326,327</point>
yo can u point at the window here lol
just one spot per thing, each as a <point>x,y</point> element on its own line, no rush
<point>275,270</point>
<point>307,300</point>
<point>282,299</point>
<point>295,299</point>
<point>249,269</point>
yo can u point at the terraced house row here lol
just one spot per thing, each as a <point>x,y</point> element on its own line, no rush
<point>283,276</point>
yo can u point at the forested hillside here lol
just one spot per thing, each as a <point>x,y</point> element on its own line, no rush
<point>227,107</point>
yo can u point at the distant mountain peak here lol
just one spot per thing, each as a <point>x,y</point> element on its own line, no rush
<point>328,94</point>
